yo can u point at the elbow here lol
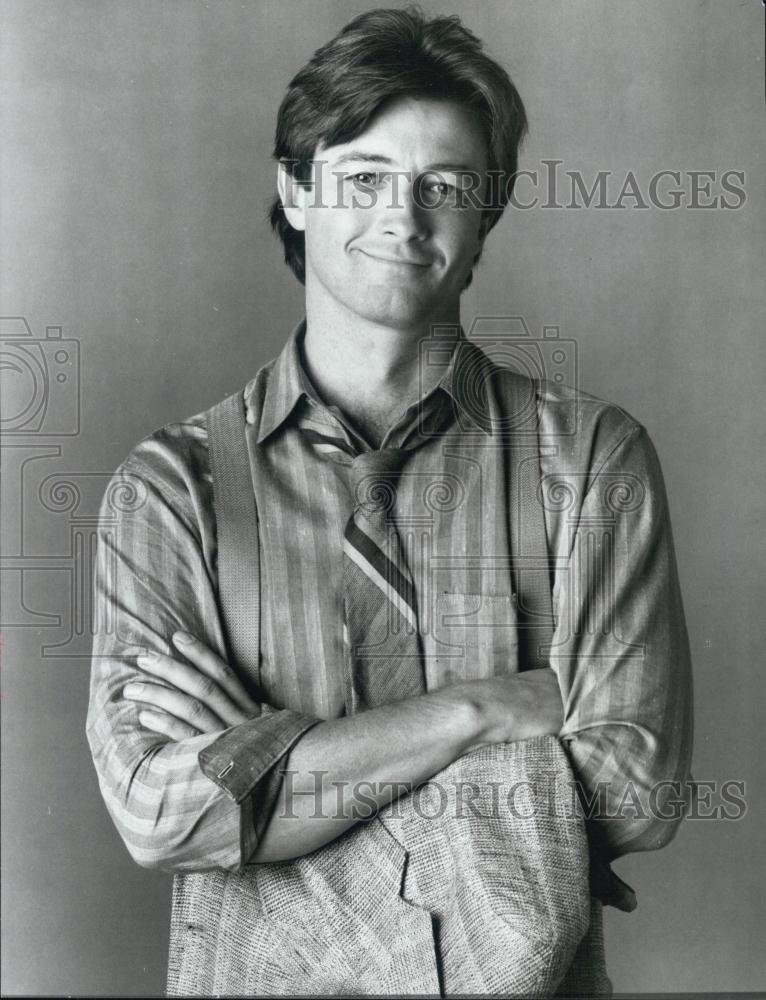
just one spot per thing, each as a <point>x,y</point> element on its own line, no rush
<point>177,845</point>
<point>161,859</point>
<point>170,820</point>
<point>650,834</point>
<point>136,810</point>
<point>643,821</point>
<point>158,839</point>
<point>635,792</point>
<point>153,859</point>
<point>153,837</point>
<point>165,849</point>
<point>148,842</point>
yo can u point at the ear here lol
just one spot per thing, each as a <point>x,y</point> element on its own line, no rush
<point>292,194</point>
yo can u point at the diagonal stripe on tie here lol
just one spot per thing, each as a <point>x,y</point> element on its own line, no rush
<point>384,572</point>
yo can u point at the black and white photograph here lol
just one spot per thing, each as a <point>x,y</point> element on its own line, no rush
<point>383,517</point>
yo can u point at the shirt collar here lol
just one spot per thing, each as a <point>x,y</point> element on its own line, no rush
<point>464,380</point>
<point>287,384</point>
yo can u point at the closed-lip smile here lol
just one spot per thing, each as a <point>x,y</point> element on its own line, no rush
<point>391,259</point>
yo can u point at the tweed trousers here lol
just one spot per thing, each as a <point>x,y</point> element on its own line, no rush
<point>476,883</point>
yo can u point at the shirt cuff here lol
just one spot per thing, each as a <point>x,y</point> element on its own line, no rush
<point>242,755</point>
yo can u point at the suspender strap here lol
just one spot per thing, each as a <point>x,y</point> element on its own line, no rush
<point>529,548</point>
<point>239,587</point>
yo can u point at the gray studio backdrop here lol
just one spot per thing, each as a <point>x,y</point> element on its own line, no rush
<point>135,179</point>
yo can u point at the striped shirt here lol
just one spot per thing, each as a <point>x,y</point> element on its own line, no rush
<point>620,648</point>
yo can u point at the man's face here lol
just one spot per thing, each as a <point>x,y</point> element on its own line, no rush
<point>387,236</point>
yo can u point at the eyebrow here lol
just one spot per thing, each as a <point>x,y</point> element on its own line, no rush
<point>360,155</point>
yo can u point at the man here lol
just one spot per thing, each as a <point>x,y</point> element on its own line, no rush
<point>390,144</point>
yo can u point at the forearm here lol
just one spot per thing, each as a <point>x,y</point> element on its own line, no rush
<point>343,770</point>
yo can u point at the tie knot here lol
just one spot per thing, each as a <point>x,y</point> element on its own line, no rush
<point>373,476</point>
<point>384,461</point>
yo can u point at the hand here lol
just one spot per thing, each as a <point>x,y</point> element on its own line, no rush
<point>513,707</point>
<point>202,696</point>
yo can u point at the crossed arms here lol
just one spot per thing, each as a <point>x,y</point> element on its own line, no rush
<point>625,720</point>
<point>385,751</point>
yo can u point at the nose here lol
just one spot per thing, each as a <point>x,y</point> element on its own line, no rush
<point>402,215</point>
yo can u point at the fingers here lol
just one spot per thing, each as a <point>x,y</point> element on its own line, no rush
<point>218,670</point>
<point>200,694</point>
<point>190,711</point>
<point>166,725</point>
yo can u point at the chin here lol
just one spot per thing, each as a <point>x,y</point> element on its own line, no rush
<point>395,307</point>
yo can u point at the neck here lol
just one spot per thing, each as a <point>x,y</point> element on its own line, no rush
<point>371,371</point>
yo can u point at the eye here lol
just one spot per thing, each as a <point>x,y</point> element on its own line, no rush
<point>434,191</point>
<point>438,187</point>
<point>366,179</point>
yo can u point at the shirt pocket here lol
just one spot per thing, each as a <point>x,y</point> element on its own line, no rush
<point>473,635</point>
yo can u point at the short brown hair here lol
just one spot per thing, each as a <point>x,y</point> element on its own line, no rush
<point>384,54</point>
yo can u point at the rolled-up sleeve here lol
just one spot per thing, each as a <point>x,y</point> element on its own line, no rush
<point>621,652</point>
<point>188,805</point>
<point>244,754</point>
